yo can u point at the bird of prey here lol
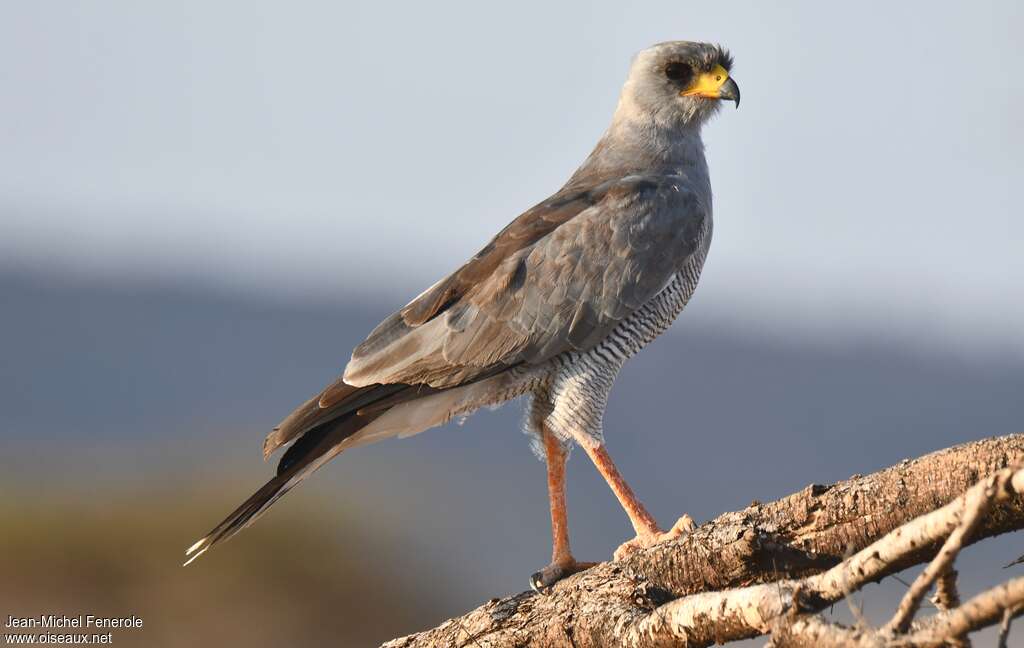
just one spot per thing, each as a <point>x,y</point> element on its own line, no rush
<point>549,309</point>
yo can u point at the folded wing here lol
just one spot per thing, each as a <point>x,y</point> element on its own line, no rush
<point>559,278</point>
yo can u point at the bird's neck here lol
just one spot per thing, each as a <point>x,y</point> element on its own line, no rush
<point>633,145</point>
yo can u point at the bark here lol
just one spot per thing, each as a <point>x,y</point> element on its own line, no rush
<point>767,568</point>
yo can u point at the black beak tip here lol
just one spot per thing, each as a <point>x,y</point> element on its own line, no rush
<point>731,91</point>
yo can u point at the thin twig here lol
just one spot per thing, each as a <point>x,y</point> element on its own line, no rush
<point>855,609</point>
<point>981,611</point>
<point>1004,627</point>
<point>974,504</point>
<point>946,595</point>
<point>946,598</point>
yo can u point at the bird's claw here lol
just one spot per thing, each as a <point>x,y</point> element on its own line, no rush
<point>683,526</point>
<point>542,581</point>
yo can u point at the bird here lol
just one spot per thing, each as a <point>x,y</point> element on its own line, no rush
<point>550,309</point>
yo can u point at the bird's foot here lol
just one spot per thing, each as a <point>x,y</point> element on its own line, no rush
<point>542,580</point>
<point>683,526</point>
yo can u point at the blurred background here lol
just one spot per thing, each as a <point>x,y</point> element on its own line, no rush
<point>205,205</point>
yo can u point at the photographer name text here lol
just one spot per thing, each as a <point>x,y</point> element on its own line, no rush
<point>47,621</point>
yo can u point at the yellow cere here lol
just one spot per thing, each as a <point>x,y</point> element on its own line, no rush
<point>708,84</point>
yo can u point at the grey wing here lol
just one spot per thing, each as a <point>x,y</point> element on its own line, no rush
<point>562,292</point>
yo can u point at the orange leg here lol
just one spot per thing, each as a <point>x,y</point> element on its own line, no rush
<point>648,533</point>
<point>560,552</point>
<point>562,562</point>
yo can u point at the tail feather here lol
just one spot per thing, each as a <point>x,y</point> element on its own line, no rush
<point>317,446</point>
<point>316,411</point>
<point>319,432</point>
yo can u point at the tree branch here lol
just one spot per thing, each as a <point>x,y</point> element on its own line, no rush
<point>985,609</point>
<point>946,595</point>
<point>975,505</point>
<point>782,561</point>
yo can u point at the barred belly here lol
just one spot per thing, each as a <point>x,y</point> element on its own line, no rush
<point>571,400</point>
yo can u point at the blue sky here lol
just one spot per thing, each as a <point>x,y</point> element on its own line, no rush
<point>867,186</point>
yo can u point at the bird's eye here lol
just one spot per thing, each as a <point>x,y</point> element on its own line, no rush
<point>680,72</point>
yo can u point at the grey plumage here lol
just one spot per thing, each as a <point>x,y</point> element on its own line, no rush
<point>551,307</point>
<point>565,292</point>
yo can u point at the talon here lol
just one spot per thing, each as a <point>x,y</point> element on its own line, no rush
<point>542,581</point>
<point>682,527</point>
<point>627,548</point>
<point>537,582</point>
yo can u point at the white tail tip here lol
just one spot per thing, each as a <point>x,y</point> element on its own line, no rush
<point>199,550</point>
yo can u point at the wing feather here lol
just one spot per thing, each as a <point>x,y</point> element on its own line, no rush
<point>557,279</point>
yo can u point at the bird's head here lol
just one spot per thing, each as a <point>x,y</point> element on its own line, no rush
<point>678,83</point>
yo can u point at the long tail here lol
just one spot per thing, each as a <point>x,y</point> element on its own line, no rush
<point>319,434</point>
<point>340,417</point>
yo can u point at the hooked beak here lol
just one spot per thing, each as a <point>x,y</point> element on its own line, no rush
<point>730,91</point>
<point>716,84</point>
